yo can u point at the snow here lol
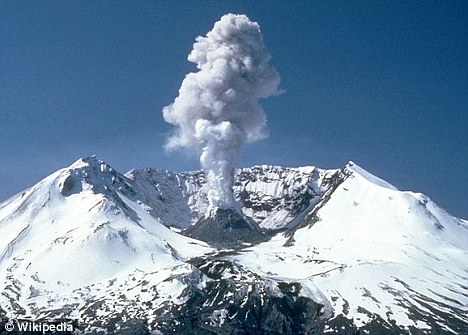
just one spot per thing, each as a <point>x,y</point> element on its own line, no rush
<point>355,243</point>
<point>394,238</point>
<point>356,169</point>
<point>56,244</point>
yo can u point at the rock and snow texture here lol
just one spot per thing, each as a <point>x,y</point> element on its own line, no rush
<point>79,227</point>
<point>217,110</point>
<point>272,196</point>
<point>379,255</point>
<point>90,243</point>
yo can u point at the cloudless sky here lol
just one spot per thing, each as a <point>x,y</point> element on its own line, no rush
<point>382,83</point>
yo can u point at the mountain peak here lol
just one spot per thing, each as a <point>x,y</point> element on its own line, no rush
<point>356,169</point>
<point>92,162</point>
<point>90,172</point>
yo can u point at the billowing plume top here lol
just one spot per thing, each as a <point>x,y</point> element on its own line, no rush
<point>234,74</point>
<point>217,109</point>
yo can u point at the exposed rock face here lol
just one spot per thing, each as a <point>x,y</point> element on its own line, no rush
<point>226,227</point>
<point>271,196</point>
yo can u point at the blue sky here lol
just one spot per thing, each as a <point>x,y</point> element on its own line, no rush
<point>382,83</point>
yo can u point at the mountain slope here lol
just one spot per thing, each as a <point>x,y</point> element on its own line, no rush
<point>348,252</point>
<point>76,228</point>
<point>378,255</point>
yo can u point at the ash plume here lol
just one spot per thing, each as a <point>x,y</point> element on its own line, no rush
<point>217,110</point>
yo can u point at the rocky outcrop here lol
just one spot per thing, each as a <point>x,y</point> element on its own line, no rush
<point>226,228</point>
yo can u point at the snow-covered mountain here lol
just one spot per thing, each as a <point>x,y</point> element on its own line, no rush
<point>343,251</point>
<point>381,257</point>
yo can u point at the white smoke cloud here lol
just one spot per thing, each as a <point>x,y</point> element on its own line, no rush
<point>217,110</point>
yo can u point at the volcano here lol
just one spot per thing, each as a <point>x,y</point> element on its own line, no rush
<point>309,251</point>
<point>226,228</point>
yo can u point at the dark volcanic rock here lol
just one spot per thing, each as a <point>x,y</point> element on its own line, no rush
<point>237,301</point>
<point>220,297</point>
<point>226,227</point>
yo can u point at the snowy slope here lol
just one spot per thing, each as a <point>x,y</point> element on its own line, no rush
<point>350,251</point>
<point>378,254</point>
<point>77,228</point>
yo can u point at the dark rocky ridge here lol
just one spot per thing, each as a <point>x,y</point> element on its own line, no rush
<point>226,228</point>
